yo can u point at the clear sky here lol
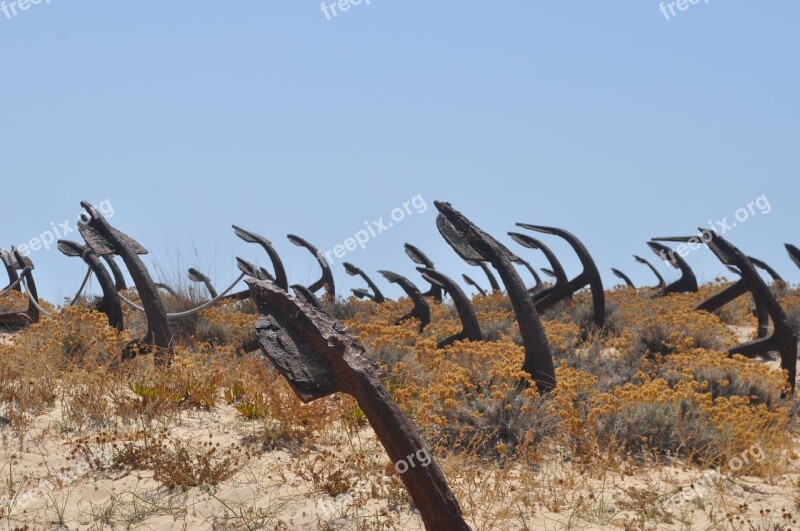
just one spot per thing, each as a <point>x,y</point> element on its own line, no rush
<point>605,118</point>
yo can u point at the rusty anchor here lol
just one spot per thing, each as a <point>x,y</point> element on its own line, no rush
<point>661,284</point>
<point>197,276</point>
<point>470,329</point>
<point>476,246</point>
<point>318,357</point>
<point>421,310</point>
<point>590,276</point>
<point>110,304</point>
<point>619,274</point>
<point>556,270</point>
<point>688,282</point>
<point>418,257</point>
<point>474,284</point>
<point>376,294</point>
<point>105,240</point>
<point>326,280</point>
<point>794,253</point>
<point>277,265</point>
<point>784,338</point>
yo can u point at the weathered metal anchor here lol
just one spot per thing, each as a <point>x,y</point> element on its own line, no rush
<point>17,261</point>
<point>590,276</point>
<point>197,276</point>
<point>619,274</point>
<point>110,304</point>
<point>168,289</point>
<point>421,310</point>
<point>470,329</point>
<point>557,271</point>
<point>476,246</point>
<point>688,282</point>
<point>376,294</point>
<point>730,293</point>
<point>318,357</point>
<point>26,265</point>
<point>119,278</point>
<point>763,265</point>
<point>104,240</point>
<point>488,272</point>
<point>661,282</point>
<point>794,253</point>
<point>418,257</point>
<point>326,280</point>
<point>277,265</point>
<point>784,338</point>
<point>10,264</point>
<point>474,284</point>
<point>250,270</point>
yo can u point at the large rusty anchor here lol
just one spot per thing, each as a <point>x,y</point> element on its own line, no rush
<point>110,304</point>
<point>784,338</point>
<point>766,267</point>
<point>470,329</point>
<point>421,310</point>
<point>16,261</point>
<point>376,294</point>
<point>476,246</point>
<point>277,265</point>
<point>688,282</point>
<point>318,357</point>
<point>105,240</point>
<point>794,253</point>
<point>10,264</point>
<point>197,276</point>
<point>590,276</point>
<point>26,265</point>
<point>625,278</point>
<point>488,272</point>
<point>555,271</point>
<point>661,284</point>
<point>326,281</point>
<point>119,278</point>
<point>732,292</point>
<point>419,258</point>
<point>474,284</point>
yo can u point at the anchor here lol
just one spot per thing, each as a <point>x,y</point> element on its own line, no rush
<point>474,284</point>
<point>688,282</point>
<point>470,329</point>
<point>110,304</point>
<point>475,246</point>
<point>661,284</point>
<point>376,294</point>
<point>619,274</point>
<point>421,310</point>
<point>104,240</point>
<point>277,265</point>
<point>418,257</point>
<point>197,276</point>
<point>590,276</point>
<point>318,357</point>
<point>326,280</point>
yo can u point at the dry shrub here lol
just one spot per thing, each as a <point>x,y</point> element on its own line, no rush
<point>228,323</point>
<point>469,397</point>
<point>684,419</point>
<point>73,340</point>
<point>261,394</point>
<point>173,462</point>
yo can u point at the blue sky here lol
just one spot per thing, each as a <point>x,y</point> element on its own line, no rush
<point>603,118</point>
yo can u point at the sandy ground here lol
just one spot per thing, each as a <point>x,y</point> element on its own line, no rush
<point>45,490</point>
<point>42,488</point>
